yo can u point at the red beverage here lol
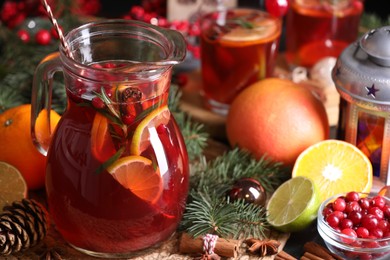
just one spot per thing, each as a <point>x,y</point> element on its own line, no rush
<point>318,29</point>
<point>238,48</point>
<point>117,172</point>
<point>92,210</point>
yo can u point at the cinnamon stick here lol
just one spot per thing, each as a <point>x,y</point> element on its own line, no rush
<point>223,247</point>
<point>320,251</point>
<point>312,256</point>
<point>282,255</point>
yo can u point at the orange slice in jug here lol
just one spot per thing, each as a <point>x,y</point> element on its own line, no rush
<point>138,174</point>
<point>141,135</point>
<point>101,141</point>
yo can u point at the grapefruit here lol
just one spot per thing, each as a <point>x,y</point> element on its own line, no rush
<point>276,118</point>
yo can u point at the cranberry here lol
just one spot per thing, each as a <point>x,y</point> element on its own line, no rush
<point>377,212</point>
<point>364,203</point>
<point>333,220</point>
<point>349,232</point>
<point>378,201</point>
<point>362,232</point>
<point>376,232</point>
<point>355,217</point>
<point>128,119</point>
<point>352,206</point>
<point>369,221</point>
<point>386,211</point>
<point>352,196</point>
<point>327,210</point>
<point>346,223</point>
<point>339,204</point>
<point>98,103</point>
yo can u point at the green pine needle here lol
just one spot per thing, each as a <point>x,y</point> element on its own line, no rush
<point>210,213</point>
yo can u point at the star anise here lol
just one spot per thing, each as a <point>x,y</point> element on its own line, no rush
<point>262,247</point>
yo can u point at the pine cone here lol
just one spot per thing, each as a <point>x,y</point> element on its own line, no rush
<point>22,225</point>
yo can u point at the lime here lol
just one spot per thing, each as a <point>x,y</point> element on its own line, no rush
<point>137,174</point>
<point>294,205</point>
<point>140,141</point>
<point>13,187</point>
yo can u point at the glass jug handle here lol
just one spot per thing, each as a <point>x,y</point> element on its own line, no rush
<point>41,99</point>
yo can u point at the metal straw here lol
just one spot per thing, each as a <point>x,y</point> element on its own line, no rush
<point>57,28</point>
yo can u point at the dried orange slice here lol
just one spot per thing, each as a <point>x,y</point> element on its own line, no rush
<point>142,133</point>
<point>101,141</point>
<point>335,167</point>
<point>13,187</point>
<point>137,174</point>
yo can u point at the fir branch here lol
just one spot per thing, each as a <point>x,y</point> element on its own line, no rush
<point>211,213</point>
<point>235,164</point>
<point>194,134</point>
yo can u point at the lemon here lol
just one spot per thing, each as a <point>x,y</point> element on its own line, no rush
<point>13,187</point>
<point>335,166</point>
<point>294,205</point>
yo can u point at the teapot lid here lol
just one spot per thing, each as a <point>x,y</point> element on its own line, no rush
<point>362,71</point>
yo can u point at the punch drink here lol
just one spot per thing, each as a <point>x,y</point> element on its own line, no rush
<point>238,48</point>
<point>316,29</point>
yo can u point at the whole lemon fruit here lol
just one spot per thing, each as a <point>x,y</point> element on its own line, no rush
<point>276,118</point>
<point>16,145</point>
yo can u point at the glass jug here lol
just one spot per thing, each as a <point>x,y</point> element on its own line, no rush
<point>117,167</point>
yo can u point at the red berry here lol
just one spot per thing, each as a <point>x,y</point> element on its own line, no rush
<point>362,232</point>
<point>378,201</point>
<point>355,217</point>
<point>54,32</point>
<point>386,211</point>
<point>24,35</point>
<point>43,37</point>
<point>383,224</point>
<point>377,212</point>
<point>339,204</point>
<point>349,232</point>
<point>277,8</point>
<point>128,119</point>
<point>364,203</point>
<point>346,223</point>
<point>369,221</point>
<point>352,196</point>
<point>333,220</point>
<point>352,206</point>
<point>376,232</point>
<point>98,103</point>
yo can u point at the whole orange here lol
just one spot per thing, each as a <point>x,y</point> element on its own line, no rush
<point>276,118</point>
<point>16,145</point>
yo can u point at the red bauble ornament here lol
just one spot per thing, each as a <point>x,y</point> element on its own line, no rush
<point>24,35</point>
<point>249,190</point>
<point>43,37</point>
<point>277,8</point>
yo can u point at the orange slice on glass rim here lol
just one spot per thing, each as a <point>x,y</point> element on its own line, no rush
<point>138,174</point>
<point>335,167</point>
<point>140,141</point>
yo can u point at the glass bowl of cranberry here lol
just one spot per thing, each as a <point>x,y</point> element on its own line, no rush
<point>356,225</point>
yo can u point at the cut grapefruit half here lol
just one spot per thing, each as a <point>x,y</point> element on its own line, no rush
<point>138,174</point>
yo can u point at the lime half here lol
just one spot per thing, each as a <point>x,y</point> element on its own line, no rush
<point>294,205</point>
